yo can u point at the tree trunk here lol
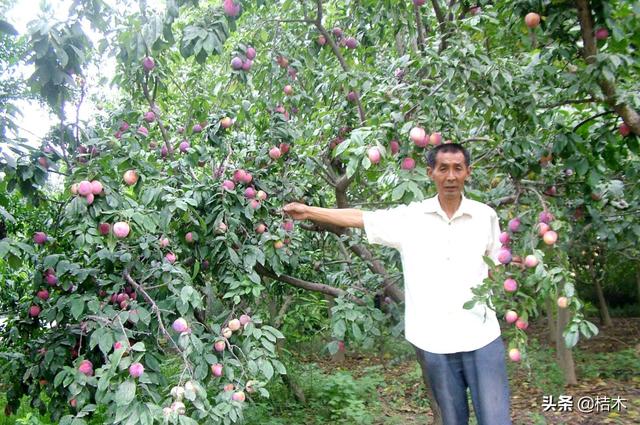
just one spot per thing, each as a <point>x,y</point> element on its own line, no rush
<point>288,381</point>
<point>605,318</point>
<point>400,47</point>
<point>638,282</point>
<point>277,316</point>
<point>551,321</point>
<point>272,306</point>
<point>437,415</point>
<point>565,355</point>
<point>338,357</point>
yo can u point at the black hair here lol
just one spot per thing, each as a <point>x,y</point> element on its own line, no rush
<point>447,148</point>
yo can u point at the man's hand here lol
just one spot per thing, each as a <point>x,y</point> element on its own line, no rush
<point>297,211</point>
<point>341,217</point>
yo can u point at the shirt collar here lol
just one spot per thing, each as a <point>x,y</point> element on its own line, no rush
<point>432,205</point>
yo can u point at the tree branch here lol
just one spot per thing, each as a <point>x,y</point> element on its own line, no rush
<point>438,12</point>
<point>580,124</point>
<point>389,288</point>
<point>418,18</point>
<point>155,309</point>
<point>277,321</point>
<point>476,139</point>
<point>305,21</point>
<point>502,201</point>
<point>321,227</point>
<point>309,286</point>
<point>590,50</point>
<point>156,111</point>
<point>569,102</point>
<point>336,52</point>
<point>341,191</point>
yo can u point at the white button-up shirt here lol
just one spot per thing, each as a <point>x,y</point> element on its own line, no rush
<point>442,261</point>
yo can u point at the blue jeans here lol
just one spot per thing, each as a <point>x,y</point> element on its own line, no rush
<point>483,371</point>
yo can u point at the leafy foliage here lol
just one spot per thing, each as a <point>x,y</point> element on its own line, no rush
<point>197,111</point>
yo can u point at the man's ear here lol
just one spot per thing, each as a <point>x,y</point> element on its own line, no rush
<point>429,171</point>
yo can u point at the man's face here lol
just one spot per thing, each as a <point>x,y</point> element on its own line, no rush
<point>449,174</point>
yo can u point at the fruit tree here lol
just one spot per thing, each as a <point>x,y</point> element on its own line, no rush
<point>152,283</point>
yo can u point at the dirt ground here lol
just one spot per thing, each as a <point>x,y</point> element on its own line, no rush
<point>591,402</point>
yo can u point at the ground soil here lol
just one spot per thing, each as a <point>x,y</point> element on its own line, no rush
<point>404,403</point>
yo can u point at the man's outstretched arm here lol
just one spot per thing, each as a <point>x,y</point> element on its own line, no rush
<point>342,217</point>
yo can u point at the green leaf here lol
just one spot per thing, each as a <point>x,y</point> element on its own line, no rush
<point>59,378</point>
<point>125,393</point>
<point>105,343</point>
<point>138,346</point>
<point>77,307</point>
<point>185,420</point>
<point>398,192</point>
<point>571,338</point>
<point>592,328</point>
<point>279,367</point>
<point>333,347</point>
<point>235,259</point>
<point>8,217</point>
<point>339,328</point>
<point>273,330</point>
<point>268,345</point>
<point>266,368</point>
<point>357,333</point>
<point>4,248</point>
<point>469,304</point>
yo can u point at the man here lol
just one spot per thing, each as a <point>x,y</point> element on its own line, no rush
<point>442,241</point>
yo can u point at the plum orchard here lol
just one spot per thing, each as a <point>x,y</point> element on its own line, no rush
<point>157,286</point>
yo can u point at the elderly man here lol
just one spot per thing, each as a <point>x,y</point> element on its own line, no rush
<point>442,241</point>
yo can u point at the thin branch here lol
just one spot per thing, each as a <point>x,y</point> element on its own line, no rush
<point>328,169</point>
<point>436,88</point>
<point>543,203</point>
<point>504,200</point>
<point>451,4</point>
<point>56,172</point>
<point>418,19</point>
<point>569,102</point>
<point>343,250</point>
<point>438,12</point>
<point>590,50</point>
<point>389,288</point>
<point>62,144</point>
<point>156,111</point>
<point>476,139</point>
<point>277,322</point>
<point>155,309</point>
<point>323,172</point>
<point>78,105</point>
<point>580,124</point>
<point>338,54</point>
<point>304,21</point>
<point>309,286</point>
<point>124,331</point>
<point>417,105</point>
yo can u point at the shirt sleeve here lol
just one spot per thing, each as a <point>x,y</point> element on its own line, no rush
<point>386,227</point>
<point>493,242</point>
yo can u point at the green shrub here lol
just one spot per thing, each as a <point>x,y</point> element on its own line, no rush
<point>622,364</point>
